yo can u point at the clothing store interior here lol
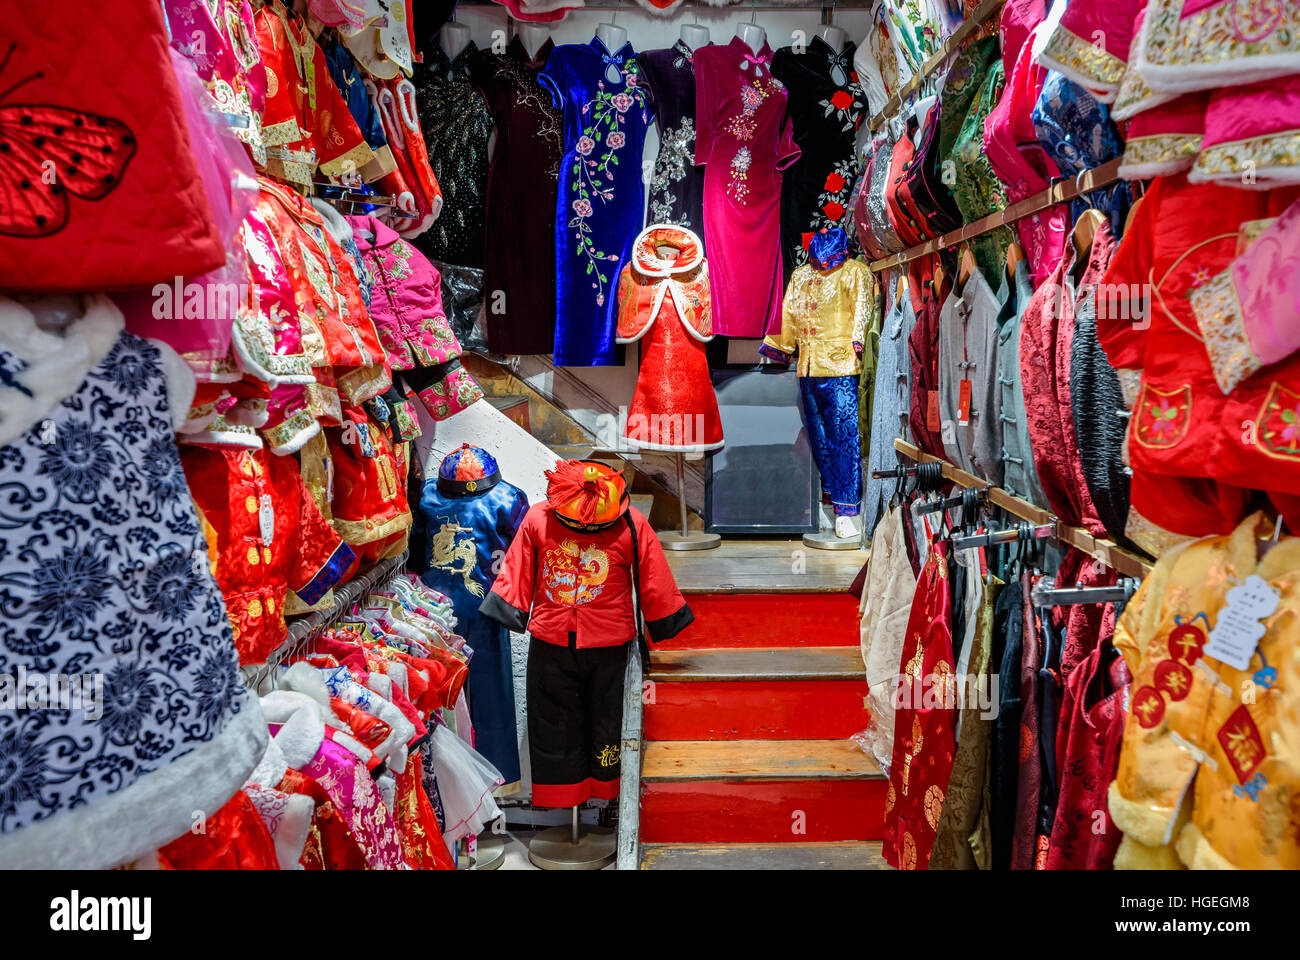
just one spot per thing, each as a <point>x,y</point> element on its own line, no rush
<point>650,435</point>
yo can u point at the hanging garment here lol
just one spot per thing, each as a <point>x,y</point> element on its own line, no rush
<point>1247,310</point>
<point>1184,431</point>
<point>877,65</point>
<point>962,839</point>
<point>968,378</point>
<point>870,360</point>
<point>1196,716</point>
<point>522,185</point>
<point>85,207</point>
<point>667,296</point>
<point>976,186</point>
<point>1078,134</point>
<point>1087,743</point>
<point>470,516</point>
<point>878,217</point>
<point>924,739</point>
<point>220,40</point>
<point>825,104</point>
<point>677,188</point>
<point>1029,778</point>
<point>266,537</point>
<point>347,76</point>
<point>233,838</point>
<point>1019,475</point>
<point>1023,165</point>
<point>599,210</point>
<point>1046,337</point>
<point>923,346</point>
<point>368,478</point>
<point>886,608</point>
<point>1008,640</point>
<point>890,405</point>
<point>744,142</point>
<point>105,578</point>
<point>1101,418</point>
<point>1072,48</point>
<point>306,123</point>
<point>1201,44</point>
<point>457,124</point>
<point>397,103</point>
<point>1251,134</point>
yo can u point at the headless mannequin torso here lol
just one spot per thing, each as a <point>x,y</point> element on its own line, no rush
<point>532,36</point>
<point>834,36</point>
<point>752,35</point>
<point>695,35</point>
<point>453,38</point>
<point>612,36</point>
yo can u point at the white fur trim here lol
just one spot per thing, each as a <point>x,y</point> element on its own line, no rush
<point>302,730</point>
<point>156,809</point>
<point>270,770</point>
<point>56,364</point>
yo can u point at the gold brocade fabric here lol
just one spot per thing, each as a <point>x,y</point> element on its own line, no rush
<point>824,314</point>
<point>962,841</point>
<point>1236,732</point>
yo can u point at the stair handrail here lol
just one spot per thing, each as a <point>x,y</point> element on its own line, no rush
<point>629,787</point>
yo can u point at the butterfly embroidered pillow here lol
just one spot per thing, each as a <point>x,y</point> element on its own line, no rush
<point>98,185</point>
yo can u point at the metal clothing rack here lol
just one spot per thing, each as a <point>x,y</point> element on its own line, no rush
<point>1104,551</point>
<point>303,630</point>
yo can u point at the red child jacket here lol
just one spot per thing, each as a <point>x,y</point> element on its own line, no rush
<point>575,589</point>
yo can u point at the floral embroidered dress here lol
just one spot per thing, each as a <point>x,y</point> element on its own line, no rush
<point>826,105</point>
<point>677,190</point>
<point>457,126</point>
<point>103,575</point>
<point>601,203</point>
<point>523,179</point>
<point>744,141</point>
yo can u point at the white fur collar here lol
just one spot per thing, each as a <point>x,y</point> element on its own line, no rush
<point>302,730</point>
<point>56,364</point>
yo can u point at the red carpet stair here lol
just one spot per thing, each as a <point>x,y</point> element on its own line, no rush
<point>746,757</point>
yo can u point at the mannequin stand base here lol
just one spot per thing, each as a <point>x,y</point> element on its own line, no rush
<point>829,541</point>
<point>491,853</point>
<point>554,849</point>
<point>695,540</point>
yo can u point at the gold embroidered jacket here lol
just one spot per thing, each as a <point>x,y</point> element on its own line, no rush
<point>824,320</point>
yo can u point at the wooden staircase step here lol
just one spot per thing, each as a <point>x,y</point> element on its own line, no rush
<point>766,566</point>
<point>849,855</point>
<point>755,760</point>
<point>773,663</point>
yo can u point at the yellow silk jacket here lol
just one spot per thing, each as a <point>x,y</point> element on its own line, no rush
<point>824,320</point>
<point>1209,771</point>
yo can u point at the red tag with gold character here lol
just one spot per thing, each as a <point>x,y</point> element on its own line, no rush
<point>933,422</point>
<point>1148,707</point>
<point>1242,744</point>
<point>1173,679</point>
<point>1186,642</point>
<point>963,404</point>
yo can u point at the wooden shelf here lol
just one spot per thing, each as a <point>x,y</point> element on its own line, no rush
<point>1105,551</point>
<point>1089,180</point>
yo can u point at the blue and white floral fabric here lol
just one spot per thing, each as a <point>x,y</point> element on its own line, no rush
<point>104,579</point>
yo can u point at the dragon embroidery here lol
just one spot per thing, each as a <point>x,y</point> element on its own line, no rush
<point>574,575</point>
<point>447,552</point>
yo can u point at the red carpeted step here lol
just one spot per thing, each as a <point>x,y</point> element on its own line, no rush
<point>769,620</point>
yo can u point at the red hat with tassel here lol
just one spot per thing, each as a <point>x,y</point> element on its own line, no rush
<point>586,494</point>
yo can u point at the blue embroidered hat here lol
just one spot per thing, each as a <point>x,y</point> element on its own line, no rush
<point>468,470</point>
<point>828,248</point>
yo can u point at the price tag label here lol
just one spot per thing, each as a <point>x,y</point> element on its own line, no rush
<point>932,419</point>
<point>266,519</point>
<point>963,404</point>
<point>1238,630</point>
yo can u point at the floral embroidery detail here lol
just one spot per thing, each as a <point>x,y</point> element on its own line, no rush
<point>676,156</point>
<point>1278,426</point>
<point>846,104</point>
<point>740,164</point>
<point>98,573</point>
<point>1161,418</point>
<point>594,176</point>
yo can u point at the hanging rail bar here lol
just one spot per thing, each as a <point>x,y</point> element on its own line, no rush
<point>1103,551</point>
<point>1089,180</point>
